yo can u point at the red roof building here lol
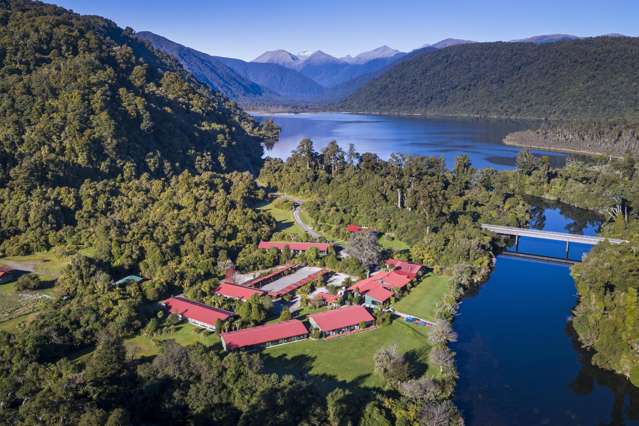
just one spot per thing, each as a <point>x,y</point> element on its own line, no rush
<point>411,270</point>
<point>326,297</point>
<point>342,320</point>
<point>353,229</point>
<point>7,273</point>
<point>377,288</point>
<point>234,291</point>
<point>273,275</point>
<point>264,335</point>
<point>293,246</point>
<point>198,314</point>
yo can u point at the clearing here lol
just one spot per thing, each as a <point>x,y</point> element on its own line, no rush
<point>347,361</point>
<point>423,298</point>
<point>185,334</point>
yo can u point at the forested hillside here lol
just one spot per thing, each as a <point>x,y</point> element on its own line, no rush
<point>83,100</point>
<point>585,79</point>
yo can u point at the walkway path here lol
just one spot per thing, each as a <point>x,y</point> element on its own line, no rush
<point>405,315</point>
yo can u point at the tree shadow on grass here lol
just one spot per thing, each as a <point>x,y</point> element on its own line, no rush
<point>300,366</point>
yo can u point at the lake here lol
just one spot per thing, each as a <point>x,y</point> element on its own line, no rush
<point>384,135</point>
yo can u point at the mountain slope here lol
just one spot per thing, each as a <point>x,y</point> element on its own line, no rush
<point>91,101</point>
<point>243,81</point>
<point>288,84</point>
<point>209,70</point>
<point>585,79</point>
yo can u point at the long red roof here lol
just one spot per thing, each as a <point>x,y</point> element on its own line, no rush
<point>275,272</point>
<point>341,318</point>
<point>404,268</point>
<point>280,245</point>
<point>237,291</point>
<point>264,334</point>
<point>196,311</point>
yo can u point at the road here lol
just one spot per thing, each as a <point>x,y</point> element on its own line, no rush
<point>298,219</point>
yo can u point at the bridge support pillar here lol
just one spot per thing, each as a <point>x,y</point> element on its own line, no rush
<point>516,243</point>
<point>567,249</point>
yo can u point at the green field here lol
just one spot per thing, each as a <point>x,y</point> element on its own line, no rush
<point>184,334</point>
<point>392,243</point>
<point>423,298</point>
<point>18,308</point>
<point>285,221</point>
<point>48,265</point>
<point>348,361</point>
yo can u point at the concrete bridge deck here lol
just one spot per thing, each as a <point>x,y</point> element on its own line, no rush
<point>549,235</point>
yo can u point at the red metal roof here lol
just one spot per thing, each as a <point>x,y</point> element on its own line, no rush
<point>263,334</point>
<point>237,291</point>
<point>379,293</point>
<point>353,229</point>
<point>196,311</point>
<point>389,279</point>
<point>404,268</point>
<point>274,273</point>
<point>298,284</point>
<point>341,318</point>
<point>280,245</point>
<point>5,270</point>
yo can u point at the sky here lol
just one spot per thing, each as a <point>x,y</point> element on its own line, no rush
<point>246,28</point>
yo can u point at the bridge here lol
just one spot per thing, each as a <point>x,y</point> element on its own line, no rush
<point>548,235</point>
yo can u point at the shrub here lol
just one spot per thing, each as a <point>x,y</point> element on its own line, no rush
<point>28,282</point>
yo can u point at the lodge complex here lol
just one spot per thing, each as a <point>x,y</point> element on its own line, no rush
<point>281,284</point>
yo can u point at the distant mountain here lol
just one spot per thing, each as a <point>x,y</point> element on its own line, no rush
<point>593,78</point>
<point>240,80</point>
<point>379,53</point>
<point>279,57</point>
<point>450,42</point>
<point>288,84</point>
<point>547,38</point>
<point>329,71</point>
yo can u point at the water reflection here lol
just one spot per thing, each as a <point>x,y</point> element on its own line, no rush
<point>518,357</point>
<point>626,396</point>
<point>481,139</point>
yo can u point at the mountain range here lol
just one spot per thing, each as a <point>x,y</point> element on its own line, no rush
<point>431,79</point>
<point>582,79</point>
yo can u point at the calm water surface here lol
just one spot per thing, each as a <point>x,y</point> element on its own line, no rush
<point>518,358</point>
<point>384,135</point>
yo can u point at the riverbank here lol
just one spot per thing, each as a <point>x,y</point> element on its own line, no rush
<point>594,140</point>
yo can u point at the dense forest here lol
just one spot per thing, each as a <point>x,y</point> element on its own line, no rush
<point>582,79</point>
<point>597,137</point>
<point>414,199</point>
<point>606,317</point>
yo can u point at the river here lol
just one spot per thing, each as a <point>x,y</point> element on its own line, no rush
<point>384,135</point>
<point>518,359</point>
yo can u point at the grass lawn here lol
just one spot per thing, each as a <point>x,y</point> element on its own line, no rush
<point>348,361</point>
<point>284,217</point>
<point>392,243</point>
<point>423,298</point>
<point>17,308</point>
<point>184,334</point>
<point>48,265</point>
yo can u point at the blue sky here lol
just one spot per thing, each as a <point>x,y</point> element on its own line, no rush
<point>245,29</point>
